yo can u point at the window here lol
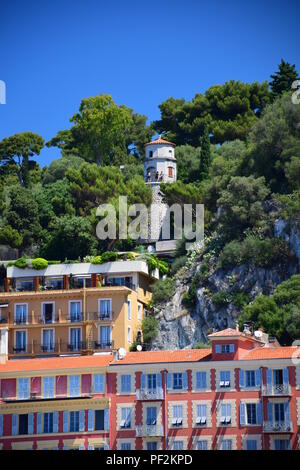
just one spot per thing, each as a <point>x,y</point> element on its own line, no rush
<point>226,444</point>
<point>74,421</point>
<point>150,153</point>
<point>128,309</point>
<point>282,444</point>
<point>278,377</point>
<point>139,312</point>
<point>151,381</point>
<point>129,334</point>
<point>74,385</point>
<point>224,378</point>
<point>201,414</point>
<point>250,378</point>
<point>98,383</point>
<point>279,411</point>
<point>99,420</point>
<point>126,446</point>
<point>170,172</point>
<point>21,340</point>
<point>23,389</point>
<point>177,415</point>
<point>48,387</point>
<point>75,311</point>
<point>48,340</point>
<point>75,339</point>
<point>200,380</point>
<point>202,445</point>
<point>105,336</point>
<point>178,445</point>
<point>21,314</point>
<point>105,308</point>
<point>151,415</point>
<point>251,444</point>
<point>48,312</point>
<point>251,413</point>
<point>23,424</point>
<point>151,445</point>
<point>125,417</point>
<point>48,422</point>
<point>177,381</point>
<point>125,383</point>
<point>225,413</point>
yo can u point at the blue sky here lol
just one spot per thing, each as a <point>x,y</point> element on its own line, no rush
<point>54,53</point>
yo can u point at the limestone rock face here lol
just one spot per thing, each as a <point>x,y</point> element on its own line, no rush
<point>181,328</point>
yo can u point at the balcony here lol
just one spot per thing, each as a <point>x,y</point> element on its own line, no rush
<point>276,390</point>
<point>151,430</point>
<point>35,396</point>
<point>103,346</point>
<point>78,346</point>
<point>35,318</point>
<point>150,394</point>
<point>99,316</point>
<point>277,426</point>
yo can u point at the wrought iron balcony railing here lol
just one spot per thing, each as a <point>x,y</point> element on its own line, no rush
<point>274,390</point>
<point>150,394</point>
<point>277,426</point>
<point>151,430</point>
<point>106,346</point>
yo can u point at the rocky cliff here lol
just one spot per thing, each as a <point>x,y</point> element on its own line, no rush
<point>219,295</point>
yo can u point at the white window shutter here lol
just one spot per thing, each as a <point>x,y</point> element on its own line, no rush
<point>81,420</point>
<point>65,421</point>
<point>55,421</point>
<point>91,416</point>
<point>39,421</point>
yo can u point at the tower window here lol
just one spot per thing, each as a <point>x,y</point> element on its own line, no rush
<point>150,154</point>
<point>170,171</point>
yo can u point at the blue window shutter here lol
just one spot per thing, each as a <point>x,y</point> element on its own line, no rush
<point>258,377</point>
<point>123,386</point>
<point>269,378</point>
<point>286,412</point>
<point>259,413</point>
<point>241,378</point>
<point>91,414</point>
<point>143,381</point>
<point>55,421</point>
<point>65,421</point>
<point>242,414</point>
<point>158,380</point>
<point>30,423</point>
<point>90,447</point>
<point>14,424</point>
<point>286,376</point>
<point>106,447</point>
<point>81,448</point>
<point>169,381</point>
<point>231,348</point>
<point>81,420</point>
<point>1,425</point>
<point>106,418</point>
<point>39,423</point>
<point>184,380</point>
<point>270,411</point>
<point>218,348</point>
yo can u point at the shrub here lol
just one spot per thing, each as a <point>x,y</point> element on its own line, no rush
<point>200,345</point>
<point>177,264</point>
<point>39,263</point>
<point>130,256</point>
<point>163,290</point>
<point>21,263</point>
<point>240,298</point>
<point>149,328</point>
<point>190,297</point>
<point>97,260</point>
<point>221,298</point>
<point>54,262</point>
<point>109,256</point>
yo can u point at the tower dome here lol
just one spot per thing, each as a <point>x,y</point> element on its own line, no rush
<point>160,162</point>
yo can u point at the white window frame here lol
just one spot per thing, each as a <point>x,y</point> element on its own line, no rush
<point>100,299</point>
<point>139,311</point>
<point>21,396</point>
<point>129,335</point>
<point>26,337</point>
<point>69,307</point>
<point>15,313</point>
<point>128,308</point>
<point>99,333</point>
<point>69,385</point>
<point>47,329</point>
<point>75,328</point>
<point>43,389</point>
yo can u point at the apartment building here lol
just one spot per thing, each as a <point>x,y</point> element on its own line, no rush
<point>77,308</point>
<point>242,394</point>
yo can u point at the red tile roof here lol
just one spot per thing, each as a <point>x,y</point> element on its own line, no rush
<point>154,357</point>
<point>160,141</point>
<point>281,352</point>
<point>227,332</point>
<point>71,362</point>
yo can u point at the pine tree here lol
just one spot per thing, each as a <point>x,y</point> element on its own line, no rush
<point>205,156</point>
<point>283,79</point>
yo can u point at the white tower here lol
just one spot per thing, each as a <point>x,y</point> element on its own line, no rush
<point>160,163</point>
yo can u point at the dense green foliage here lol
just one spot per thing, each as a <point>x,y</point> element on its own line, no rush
<point>149,328</point>
<point>162,290</point>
